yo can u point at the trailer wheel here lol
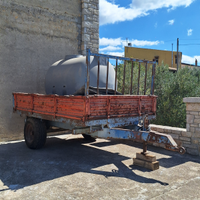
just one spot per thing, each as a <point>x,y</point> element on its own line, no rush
<point>88,137</point>
<point>35,133</point>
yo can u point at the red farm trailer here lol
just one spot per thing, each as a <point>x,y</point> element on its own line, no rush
<point>97,111</point>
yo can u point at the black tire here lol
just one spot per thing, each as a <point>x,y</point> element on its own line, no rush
<point>88,137</point>
<point>35,133</point>
<point>47,124</point>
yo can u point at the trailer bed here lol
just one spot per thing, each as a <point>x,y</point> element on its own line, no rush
<point>84,108</point>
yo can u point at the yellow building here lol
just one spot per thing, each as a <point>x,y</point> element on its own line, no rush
<point>156,55</point>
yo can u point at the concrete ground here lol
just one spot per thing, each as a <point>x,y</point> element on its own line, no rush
<point>68,167</point>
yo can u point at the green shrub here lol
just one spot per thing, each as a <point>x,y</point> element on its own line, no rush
<point>170,88</point>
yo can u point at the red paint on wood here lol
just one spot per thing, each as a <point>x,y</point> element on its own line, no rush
<point>85,108</point>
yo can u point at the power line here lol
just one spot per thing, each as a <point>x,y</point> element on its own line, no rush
<point>191,39</point>
<point>189,44</point>
<point>172,40</point>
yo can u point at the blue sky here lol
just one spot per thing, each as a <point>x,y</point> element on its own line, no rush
<point>154,24</point>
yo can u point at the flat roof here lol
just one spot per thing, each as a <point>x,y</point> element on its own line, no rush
<point>152,49</point>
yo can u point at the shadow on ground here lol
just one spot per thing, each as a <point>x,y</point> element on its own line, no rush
<point>21,167</point>
<point>173,158</point>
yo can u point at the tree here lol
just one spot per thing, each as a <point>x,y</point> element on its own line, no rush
<point>170,88</point>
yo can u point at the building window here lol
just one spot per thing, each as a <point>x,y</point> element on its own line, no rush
<point>175,59</point>
<point>156,59</point>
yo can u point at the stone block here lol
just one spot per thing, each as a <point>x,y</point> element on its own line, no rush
<point>193,107</point>
<point>84,5</point>
<point>196,135</point>
<point>192,113</point>
<point>85,37</point>
<point>96,12</point>
<point>192,100</point>
<point>85,11</point>
<point>197,121</point>
<point>167,130</point>
<point>84,17</point>
<point>160,130</point>
<point>192,129</point>
<point>177,132</point>
<point>186,134</point>
<point>190,118</point>
<point>197,130</point>
<point>188,127</point>
<point>147,157</point>
<point>94,41</point>
<point>174,136</point>
<point>95,25</point>
<point>185,139</point>
<point>186,143</point>
<point>86,24</point>
<point>145,164</point>
<point>195,125</point>
<point>195,141</point>
<point>95,45</point>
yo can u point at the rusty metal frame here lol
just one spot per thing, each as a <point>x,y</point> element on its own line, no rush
<point>145,137</point>
<point>117,58</point>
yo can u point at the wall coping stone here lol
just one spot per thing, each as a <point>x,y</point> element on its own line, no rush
<point>191,100</point>
<point>168,127</point>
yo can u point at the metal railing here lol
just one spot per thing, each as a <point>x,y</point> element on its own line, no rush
<point>117,58</point>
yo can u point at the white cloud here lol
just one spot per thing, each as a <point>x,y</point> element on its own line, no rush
<point>156,25</point>
<point>189,59</point>
<point>112,13</point>
<point>118,41</point>
<point>171,22</point>
<point>145,42</point>
<point>116,54</point>
<point>110,41</point>
<point>189,32</point>
<point>110,48</point>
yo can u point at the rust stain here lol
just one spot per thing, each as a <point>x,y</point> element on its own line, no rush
<point>85,108</point>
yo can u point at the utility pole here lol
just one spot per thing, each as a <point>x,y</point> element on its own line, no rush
<point>177,53</point>
<point>127,41</point>
<point>172,54</point>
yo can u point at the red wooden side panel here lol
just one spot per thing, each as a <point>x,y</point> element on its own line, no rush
<point>124,106</point>
<point>71,107</point>
<point>121,106</point>
<point>52,105</point>
<point>98,107</point>
<point>85,108</point>
<point>23,102</point>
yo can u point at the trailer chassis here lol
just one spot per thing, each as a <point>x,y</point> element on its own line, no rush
<point>125,126</point>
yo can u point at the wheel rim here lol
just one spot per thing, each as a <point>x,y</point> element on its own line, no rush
<point>29,134</point>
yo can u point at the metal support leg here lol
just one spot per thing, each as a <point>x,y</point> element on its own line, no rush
<point>144,148</point>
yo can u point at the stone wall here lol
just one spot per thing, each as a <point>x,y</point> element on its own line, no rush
<point>189,137</point>
<point>180,135</point>
<point>33,35</point>
<point>90,26</point>
<point>193,121</point>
